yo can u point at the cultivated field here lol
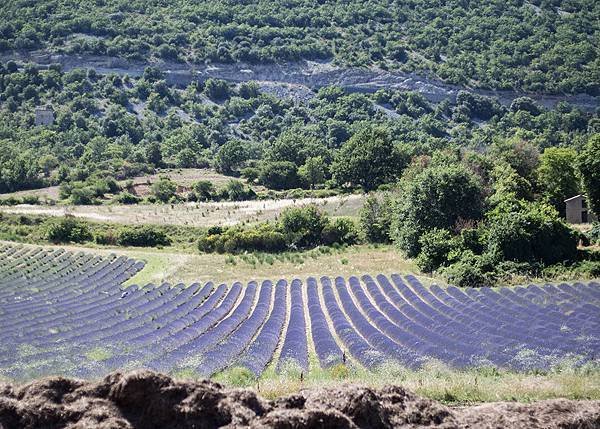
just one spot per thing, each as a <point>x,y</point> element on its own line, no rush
<point>67,313</point>
<point>195,214</point>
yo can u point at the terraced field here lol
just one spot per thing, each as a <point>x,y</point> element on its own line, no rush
<point>68,313</point>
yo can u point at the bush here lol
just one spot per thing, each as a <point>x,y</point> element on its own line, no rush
<point>263,238</point>
<point>594,233</point>
<point>471,270</point>
<point>279,175</point>
<point>204,190</point>
<point>106,238</point>
<point>127,198</point>
<point>436,245</point>
<point>164,189</point>
<point>303,226</point>
<point>340,231</point>
<point>438,197</point>
<point>67,229</point>
<point>375,219</point>
<point>143,236</point>
<point>531,233</point>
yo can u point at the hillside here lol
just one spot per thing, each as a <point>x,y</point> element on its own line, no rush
<point>534,46</point>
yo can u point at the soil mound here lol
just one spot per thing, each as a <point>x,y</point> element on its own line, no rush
<point>144,399</point>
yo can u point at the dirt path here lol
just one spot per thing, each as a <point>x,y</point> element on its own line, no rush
<point>296,79</point>
<point>144,399</point>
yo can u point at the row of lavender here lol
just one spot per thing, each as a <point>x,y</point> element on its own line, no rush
<point>68,313</point>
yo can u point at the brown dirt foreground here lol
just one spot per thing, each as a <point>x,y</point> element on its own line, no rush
<point>143,399</point>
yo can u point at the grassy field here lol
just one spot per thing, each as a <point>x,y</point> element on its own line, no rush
<point>435,381</point>
<point>195,214</point>
<point>188,266</point>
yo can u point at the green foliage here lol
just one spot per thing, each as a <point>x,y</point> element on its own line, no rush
<point>594,233</point>
<point>303,225</point>
<point>313,171</point>
<point>508,186</point>
<point>230,156</point>
<point>589,167</point>
<point>531,232</point>
<point>264,238</point>
<point>298,228</point>
<point>142,236</point>
<point>375,219</point>
<point>520,154</point>
<point>537,47</point>
<point>164,189</point>
<point>67,229</point>
<point>437,197</point>
<point>216,89</point>
<point>436,246</point>
<point>279,175</point>
<point>127,198</point>
<point>339,231</point>
<point>471,270</point>
<point>368,159</point>
<point>236,191</point>
<point>556,176</point>
<point>204,190</point>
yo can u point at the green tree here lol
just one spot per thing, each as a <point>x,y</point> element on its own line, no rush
<point>368,159</point>
<point>279,175</point>
<point>375,219</point>
<point>204,190</point>
<point>164,189</point>
<point>303,226</point>
<point>216,89</point>
<point>67,229</point>
<point>529,232</point>
<point>557,177</point>
<point>437,197</point>
<point>313,171</point>
<point>230,156</point>
<point>588,163</point>
<point>154,154</point>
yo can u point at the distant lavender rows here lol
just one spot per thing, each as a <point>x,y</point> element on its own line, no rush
<point>68,313</point>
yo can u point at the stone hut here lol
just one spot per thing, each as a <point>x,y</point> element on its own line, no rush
<point>577,210</point>
<point>44,116</point>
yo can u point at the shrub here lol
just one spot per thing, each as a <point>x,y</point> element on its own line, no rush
<point>303,226</point>
<point>594,233</point>
<point>375,219</point>
<point>106,238</point>
<point>532,233</point>
<point>279,175</point>
<point>127,198</point>
<point>142,236</point>
<point>164,189</point>
<point>437,197</point>
<point>264,238</point>
<point>340,231</point>
<point>436,245</point>
<point>204,190</point>
<point>67,229</point>
<point>471,270</point>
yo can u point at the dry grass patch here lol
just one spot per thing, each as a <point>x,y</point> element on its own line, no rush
<point>195,214</point>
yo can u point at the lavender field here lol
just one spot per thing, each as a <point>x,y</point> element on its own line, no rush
<point>68,313</point>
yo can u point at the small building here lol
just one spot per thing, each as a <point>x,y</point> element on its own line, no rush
<point>44,116</point>
<point>577,210</point>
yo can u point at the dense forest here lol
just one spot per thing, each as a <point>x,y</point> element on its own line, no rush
<point>118,127</point>
<point>538,46</point>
